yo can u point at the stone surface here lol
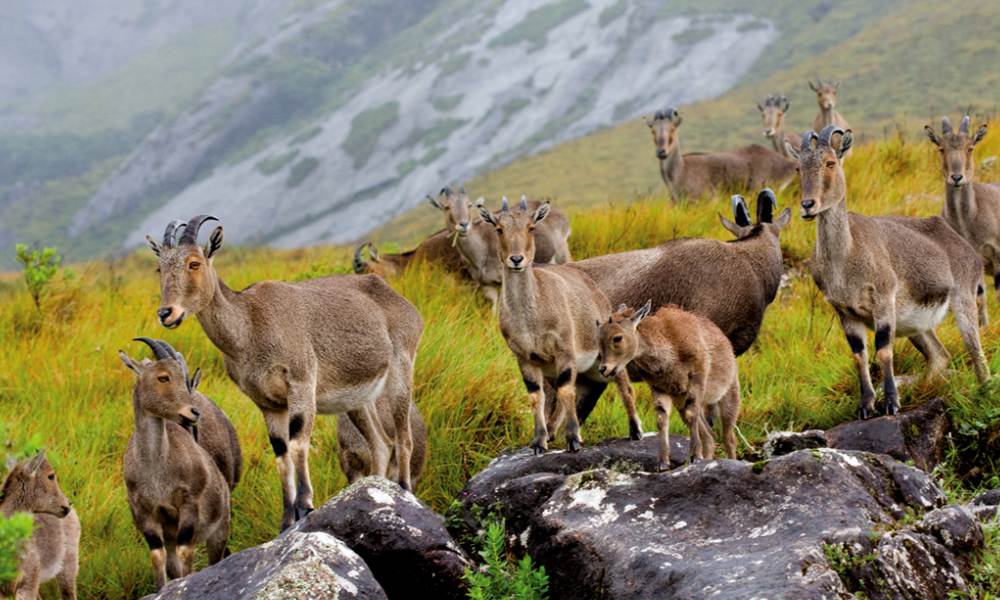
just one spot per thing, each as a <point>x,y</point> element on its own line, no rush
<point>403,542</point>
<point>785,442</point>
<point>919,435</point>
<point>990,498</point>
<point>295,565</point>
<point>792,527</point>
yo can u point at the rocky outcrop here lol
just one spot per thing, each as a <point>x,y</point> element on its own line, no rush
<point>817,523</point>
<point>296,565</point>
<point>404,542</point>
<point>785,442</point>
<point>918,435</point>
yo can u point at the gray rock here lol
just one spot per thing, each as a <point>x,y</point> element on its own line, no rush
<point>732,529</point>
<point>295,565</point>
<point>785,442</point>
<point>990,498</point>
<point>917,435</point>
<point>403,542</point>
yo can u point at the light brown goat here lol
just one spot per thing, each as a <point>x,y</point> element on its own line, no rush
<point>547,317</point>
<point>332,345</point>
<point>686,361</point>
<point>438,248</point>
<point>773,111</point>
<point>826,98</point>
<point>477,241</point>
<point>178,495</point>
<point>53,550</point>
<point>698,174</point>
<point>971,208</point>
<point>894,275</point>
<point>354,455</point>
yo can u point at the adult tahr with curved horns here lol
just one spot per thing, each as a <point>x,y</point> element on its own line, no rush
<point>332,345</point>
<point>697,174</point>
<point>897,276</point>
<point>970,207</point>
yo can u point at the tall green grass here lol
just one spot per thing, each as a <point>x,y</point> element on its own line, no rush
<point>62,381</point>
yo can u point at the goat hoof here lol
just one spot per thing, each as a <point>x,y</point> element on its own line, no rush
<point>863,414</point>
<point>538,449</point>
<point>891,408</point>
<point>662,466</point>
<point>634,431</point>
<point>302,511</point>
<point>574,445</point>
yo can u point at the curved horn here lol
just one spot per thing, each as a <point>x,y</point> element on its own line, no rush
<point>160,348</point>
<point>807,138</point>
<point>358,264</point>
<point>190,235</point>
<point>170,235</point>
<point>827,133</point>
<point>766,203</point>
<point>963,127</point>
<point>945,125</point>
<point>741,213</point>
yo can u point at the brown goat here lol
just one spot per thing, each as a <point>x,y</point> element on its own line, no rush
<point>439,247</point>
<point>773,111</point>
<point>894,275</point>
<point>178,496</point>
<point>330,345</point>
<point>547,317</point>
<point>971,208</point>
<point>477,241</point>
<point>826,98</point>
<point>699,174</point>
<point>53,551</point>
<point>354,455</point>
<point>686,361</point>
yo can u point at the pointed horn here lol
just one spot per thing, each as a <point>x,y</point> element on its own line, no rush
<point>159,347</point>
<point>963,127</point>
<point>524,203</point>
<point>945,125</point>
<point>827,133</point>
<point>190,235</point>
<point>503,205</point>
<point>170,235</point>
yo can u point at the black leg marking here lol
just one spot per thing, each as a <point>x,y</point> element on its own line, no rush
<point>531,386</point>
<point>857,344</point>
<point>980,290</point>
<point>295,426</point>
<point>883,337</point>
<point>185,535</point>
<point>279,446</point>
<point>564,377</point>
<point>153,540</point>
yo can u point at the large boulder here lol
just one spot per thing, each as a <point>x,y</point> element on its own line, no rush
<point>404,543</point>
<point>791,527</point>
<point>918,435</point>
<point>295,565</point>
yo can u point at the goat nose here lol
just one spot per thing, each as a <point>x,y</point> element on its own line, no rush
<point>661,154</point>
<point>163,313</point>
<point>956,178</point>
<point>807,204</point>
<point>464,225</point>
<point>195,412</point>
<point>517,259</point>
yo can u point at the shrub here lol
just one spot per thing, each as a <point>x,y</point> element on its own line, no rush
<point>499,578</point>
<point>40,267</point>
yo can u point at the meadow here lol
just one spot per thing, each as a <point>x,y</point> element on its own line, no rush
<point>63,386</point>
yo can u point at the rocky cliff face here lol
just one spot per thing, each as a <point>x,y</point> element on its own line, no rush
<point>343,117</point>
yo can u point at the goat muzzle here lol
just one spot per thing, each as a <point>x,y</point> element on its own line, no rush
<point>661,154</point>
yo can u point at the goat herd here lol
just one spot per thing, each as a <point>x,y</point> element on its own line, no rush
<point>345,345</point>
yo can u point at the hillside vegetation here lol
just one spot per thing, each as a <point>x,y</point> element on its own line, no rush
<point>63,384</point>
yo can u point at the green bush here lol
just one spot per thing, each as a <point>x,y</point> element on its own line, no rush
<point>40,267</point>
<point>499,578</point>
<point>14,530</point>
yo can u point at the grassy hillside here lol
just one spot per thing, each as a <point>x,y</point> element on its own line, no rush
<point>910,63</point>
<point>63,384</point>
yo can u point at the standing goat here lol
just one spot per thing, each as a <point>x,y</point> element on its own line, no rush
<point>54,548</point>
<point>547,317</point>
<point>773,111</point>
<point>826,98</point>
<point>477,241</point>
<point>894,275</point>
<point>178,495</point>
<point>686,361</point>
<point>354,454</point>
<point>697,174</point>
<point>437,248</point>
<point>971,208</point>
<point>331,345</point>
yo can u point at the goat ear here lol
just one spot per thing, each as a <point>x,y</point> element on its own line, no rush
<point>931,135</point>
<point>195,379</point>
<point>540,213</point>
<point>783,218</point>
<point>153,245</point>
<point>812,86</point>
<point>791,149</point>
<point>759,107</point>
<point>36,463</point>
<point>434,202</point>
<point>836,84</point>
<point>214,242</point>
<point>486,215</point>
<point>129,361</point>
<point>642,312</point>
<point>649,122</point>
<point>677,119</point>
<point>980,134</point>
<point>731,227</point>
<point>846,141</point>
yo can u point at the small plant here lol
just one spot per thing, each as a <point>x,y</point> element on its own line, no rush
<point>16,528</point>
<point>984,578</point>
<point>498,578</point>
<point>40,266</point>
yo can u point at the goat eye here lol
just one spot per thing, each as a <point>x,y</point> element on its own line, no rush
<point>499,231</point>
<point>617,339</point>
<point>830,164</point>
<point>52,476</point>
<point>163,379</point>
<point>194,266</point>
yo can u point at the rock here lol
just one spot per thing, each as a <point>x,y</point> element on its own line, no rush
<point>919,435</point>
<point>293,566</point>
<point>785,442</point>
<point>403,542</point>
<point>990,498</point>
<point>783,528</point>
<point>519,479</point>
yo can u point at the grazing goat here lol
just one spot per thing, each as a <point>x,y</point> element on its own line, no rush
<point>686,361</point>
<point>178,496</point>
<point>773,112</point>
<point>894,275</point>
<point>477,241</point>
<point>826,98</point>
<point>54,548</point>
<point>437,247</point>
<point>331,345</point>
<point>698,174</point>
<point>971,208</point>
<point>547,317</point>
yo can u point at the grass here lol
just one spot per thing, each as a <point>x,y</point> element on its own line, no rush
<point>63,384</point>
